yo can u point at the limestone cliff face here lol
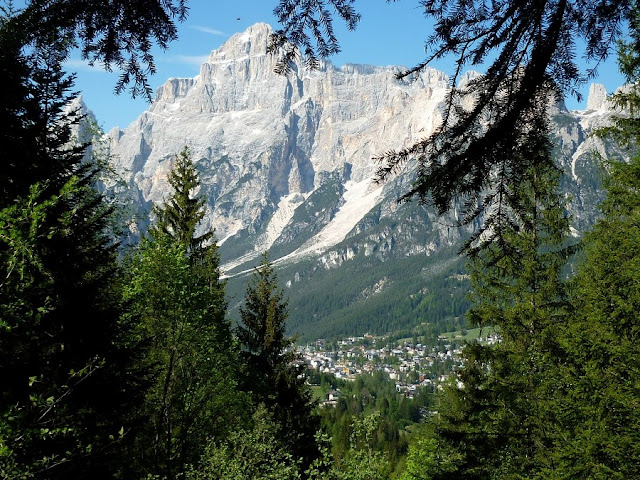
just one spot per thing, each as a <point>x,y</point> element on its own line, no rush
<point>286,161</point>
<point>264,142</point>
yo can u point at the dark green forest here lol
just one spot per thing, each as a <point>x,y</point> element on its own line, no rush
<point>327,310</point>
<point>124,361</point>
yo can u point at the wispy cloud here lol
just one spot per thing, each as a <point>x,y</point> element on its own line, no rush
<point>196,60</point>
<point>209,30</point>
<point>78,64</point>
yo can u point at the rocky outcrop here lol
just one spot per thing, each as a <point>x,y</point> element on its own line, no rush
<point>597,99</point>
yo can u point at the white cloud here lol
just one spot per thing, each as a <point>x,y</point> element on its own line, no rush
<point>210,31</point>
<point>78,64</point>
<point>196,60</point>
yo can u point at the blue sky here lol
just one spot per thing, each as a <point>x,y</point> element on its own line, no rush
<point>388,34</point>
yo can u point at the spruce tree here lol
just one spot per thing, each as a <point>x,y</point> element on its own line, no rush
<point>601,421</point>
<point>601,416</point>
<point>69,385</point>
<point>499,421</point>
<point>176,291</point>
<point>266,349</point>
<point>271,374</point>
<point>184,210</point>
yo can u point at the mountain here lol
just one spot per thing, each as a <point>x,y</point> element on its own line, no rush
<point>286,165</point>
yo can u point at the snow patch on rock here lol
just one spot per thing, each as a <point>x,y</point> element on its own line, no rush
<point>359,198</point>
<point>280,219</point>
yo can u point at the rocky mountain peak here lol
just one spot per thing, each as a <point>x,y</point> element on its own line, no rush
<point>597,99</point>
<point>253,41</point>
<point>78,105</point>
<point>286,161</point>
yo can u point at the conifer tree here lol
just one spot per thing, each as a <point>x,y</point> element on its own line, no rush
<point>184,210</point>
<point>601,421</point>
<point>69,387</point>
<point>498,422</point>
<point>265,347</point>
<point>601,418</point>
<point>175,286</point>
<point>270,373</point>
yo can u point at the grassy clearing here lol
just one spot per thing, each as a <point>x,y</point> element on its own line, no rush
<point>317,392</point>
<point>470,334</point>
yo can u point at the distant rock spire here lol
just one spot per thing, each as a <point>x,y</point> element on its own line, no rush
<point>597,97</point>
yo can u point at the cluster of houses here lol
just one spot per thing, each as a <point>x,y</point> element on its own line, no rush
<point>409,365</point>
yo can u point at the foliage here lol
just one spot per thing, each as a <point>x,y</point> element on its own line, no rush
<point>339,297</point>
<point>176,292</point>
<point>252,453</point>
<point>265,348</point>
<point>426,458</point>
<point>373,394</point>
<point>271,374</point>
<point>601,420</point>
<point>362,461</point>
<point>117,34</point>
<point>37,136</point>
<point>556,399</point>
<point>194,395</point>
<point>70,385</point>
<point>496,422</point>
<point>182,212</point>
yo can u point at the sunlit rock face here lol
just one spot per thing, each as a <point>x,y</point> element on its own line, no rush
<point>286,161</point>
<point>264,142</point>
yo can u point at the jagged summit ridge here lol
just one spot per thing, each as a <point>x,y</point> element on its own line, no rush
<point>252,42</point>
<point>286,165</point>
